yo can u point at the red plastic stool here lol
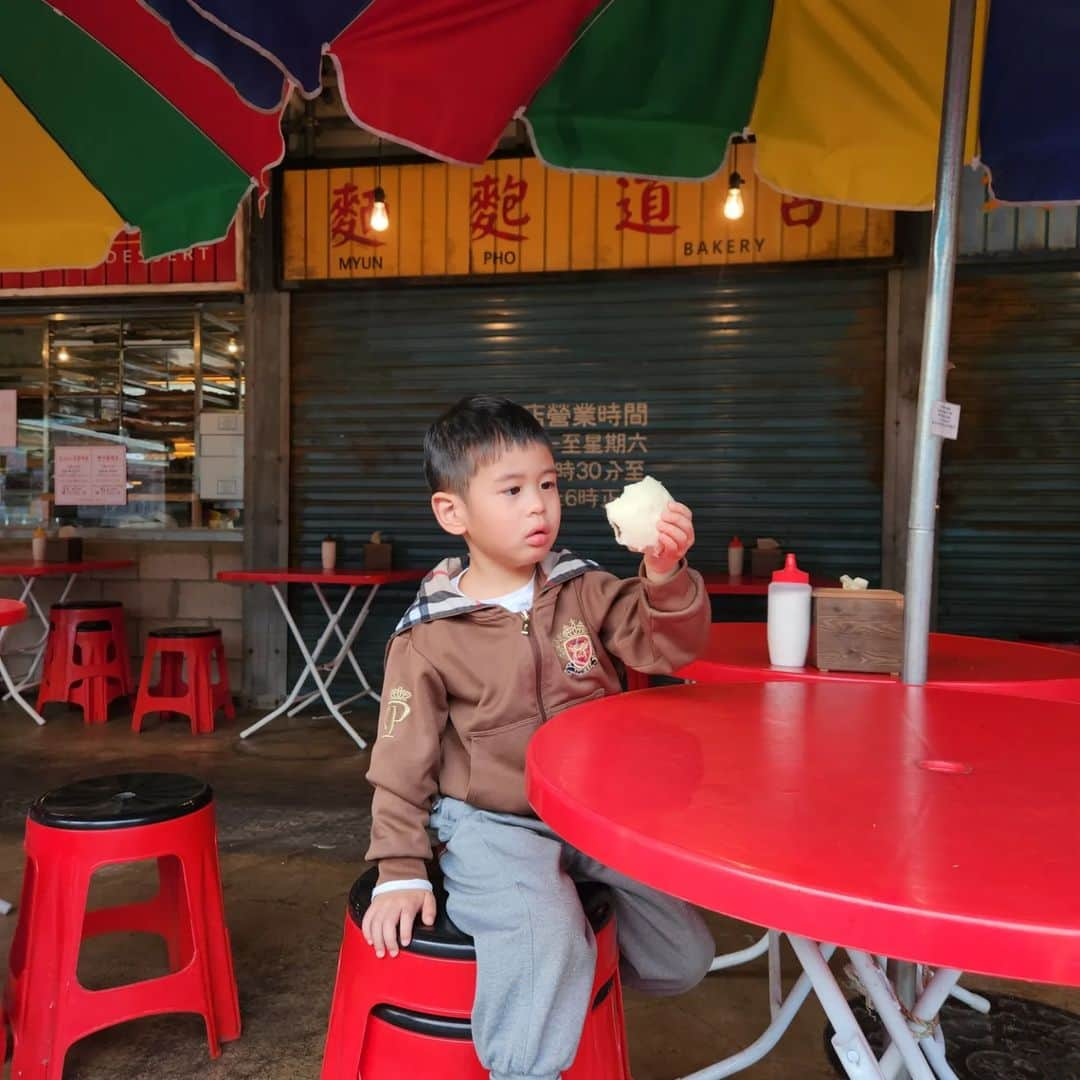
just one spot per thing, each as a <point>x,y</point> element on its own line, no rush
<point>60,672</point>
<point>410,1016</point>
<point>197,649</point>
<point>70,833</point>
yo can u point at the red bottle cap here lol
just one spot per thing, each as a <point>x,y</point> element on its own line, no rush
<point>791,572</point>
<point>735,542</point>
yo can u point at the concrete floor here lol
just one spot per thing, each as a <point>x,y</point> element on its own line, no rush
<point>293,813</point>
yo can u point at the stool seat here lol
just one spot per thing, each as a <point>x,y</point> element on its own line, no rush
<point>184,632</point>
<point>123,801</point>
<point>443,939</point>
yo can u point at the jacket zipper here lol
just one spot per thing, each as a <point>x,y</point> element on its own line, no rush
<point>525,621</point>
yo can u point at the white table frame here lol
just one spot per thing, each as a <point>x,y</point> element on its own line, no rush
<point>313,670</point>
<point>917,1042</point>
<point>32,677</point>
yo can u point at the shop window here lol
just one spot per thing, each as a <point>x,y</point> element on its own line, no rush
<point>165,388</point>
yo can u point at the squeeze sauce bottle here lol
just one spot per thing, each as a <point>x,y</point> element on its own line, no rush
<point>789,616</point>
<point>735,557</point>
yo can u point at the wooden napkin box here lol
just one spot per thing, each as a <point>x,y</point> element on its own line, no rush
<point>378,556</point>
<point>67,549</point>
<point>859,630</point>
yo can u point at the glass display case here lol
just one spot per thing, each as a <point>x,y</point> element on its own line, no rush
<point>141,381</point>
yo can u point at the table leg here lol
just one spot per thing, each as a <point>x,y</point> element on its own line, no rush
<point>902,977</point>
<point>924,1026</point>
<point>768,1039</point>
<point>31,678</point>
<point>12,689</point>
<point>310,669</point>
<point>849,1042</point>
<point>344,652</point>
<point>333,626</point>
<point>723,961</point>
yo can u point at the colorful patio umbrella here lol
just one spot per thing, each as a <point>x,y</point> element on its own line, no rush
<point>443,76</point>
<point>843,97</point>
<point>114,125</point>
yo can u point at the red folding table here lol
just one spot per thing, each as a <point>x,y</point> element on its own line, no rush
<point>29,573</point>
<point>373,580</point>
<point>933,826</point>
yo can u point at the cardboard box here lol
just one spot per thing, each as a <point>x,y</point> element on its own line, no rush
<point>378,556</point>
<point>859,630</point>
<point>763,561</point>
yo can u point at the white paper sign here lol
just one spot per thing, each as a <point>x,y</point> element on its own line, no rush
<point>9,419</point>
<point>945,419</point>
<point>90,476</point>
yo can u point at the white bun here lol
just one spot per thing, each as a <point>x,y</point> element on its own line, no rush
<point>635,514</point>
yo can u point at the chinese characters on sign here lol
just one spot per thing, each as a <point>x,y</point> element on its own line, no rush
<point>496,213</point>
<point>648,209</point>
<point>351,210</point>
<point>514,215</point>
<point>90,476</point>
<point>599,447</point>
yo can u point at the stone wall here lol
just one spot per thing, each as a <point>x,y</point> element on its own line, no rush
<point>173,583</point>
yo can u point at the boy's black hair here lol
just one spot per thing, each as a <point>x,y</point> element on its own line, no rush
<point>471,433</point>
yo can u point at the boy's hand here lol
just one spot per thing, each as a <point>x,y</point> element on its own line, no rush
<point>676,537</point>
<point>395,912</point>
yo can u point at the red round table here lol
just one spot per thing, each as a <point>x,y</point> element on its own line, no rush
<point>928,825</point>
<point>12,612</point>
<point>739,652</point>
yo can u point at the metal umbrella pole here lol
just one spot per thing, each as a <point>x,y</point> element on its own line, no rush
<point>927,465</point>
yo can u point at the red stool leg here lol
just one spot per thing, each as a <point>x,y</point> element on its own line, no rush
<point>171,682</point>
<point>144,699</point>
<point>210,935</point>
<point>350,1009</point>
<point>173,913</point>
<point>170,694</point>
<point>120,638</point>
<point>202,722</point>
<point>222,694</point>
<point>40,1011</point>
<point>100,675</point>
<point>171,675</point>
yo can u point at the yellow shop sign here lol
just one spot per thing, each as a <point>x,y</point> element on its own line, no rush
<point>514,215</point>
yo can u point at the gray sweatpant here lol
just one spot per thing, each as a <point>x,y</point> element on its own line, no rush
<point>510,886</point>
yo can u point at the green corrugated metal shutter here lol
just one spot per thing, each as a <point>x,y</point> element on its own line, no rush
<point>1008,556</point>
<point>764,393</point>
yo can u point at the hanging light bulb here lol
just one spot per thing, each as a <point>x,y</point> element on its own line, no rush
<point>380,217</point>
<point>733,204</point>
<point>232,346</point>
<point>63,355</point>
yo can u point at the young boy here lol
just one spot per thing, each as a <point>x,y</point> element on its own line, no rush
<point>492,647</point>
